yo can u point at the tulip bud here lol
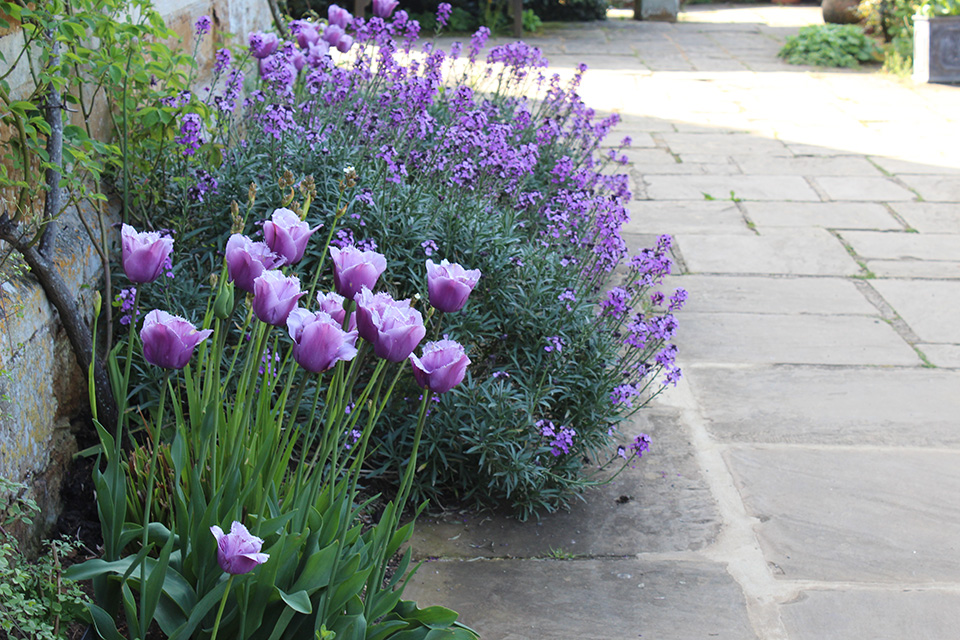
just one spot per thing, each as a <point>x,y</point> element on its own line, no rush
<point>97,303</point>
<point>223,305</point>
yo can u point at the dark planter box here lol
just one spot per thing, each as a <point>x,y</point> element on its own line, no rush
<point>936,49</point>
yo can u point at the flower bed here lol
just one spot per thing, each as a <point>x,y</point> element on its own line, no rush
<point>448,159</point>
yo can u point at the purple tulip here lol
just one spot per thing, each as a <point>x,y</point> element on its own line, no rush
<point>441,367</point>
<point>307,33</point>
<point>298,59</point>
<point>383,8</point>
<point>332,304</point>
<point>449,285</point>
<point>318,341</point>
<point>144,254</point>
<point>247,260</point>
<point>354,269</point>
<point>339,16</point>
<point>344,44</point>
<point>317,52</point>
<point>332,34</point>
<point>168,340</point>
<point>368,305</point>
<point>238,552</point>
<point>263,44</point>
<point>394,327</point>
<point>275,296</point>
<point>287,235</point>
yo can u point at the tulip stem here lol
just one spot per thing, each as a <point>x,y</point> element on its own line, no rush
<point>223,603</point>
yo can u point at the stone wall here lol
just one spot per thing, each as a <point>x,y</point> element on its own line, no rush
<point>42,388</point>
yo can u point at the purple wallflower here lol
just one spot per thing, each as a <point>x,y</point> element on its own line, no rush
<point>124,301</point>
<point>191,126</point>
<point>238,552</point>
<point>202,26</point>
<point>640,445</point>
<point>443,14</point>
<point>223,59</point>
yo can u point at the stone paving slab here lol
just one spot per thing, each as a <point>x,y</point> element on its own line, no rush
<point>719,187</point>
<point>587,599</point>
<point>724,144</point>
<point>807,166</point>
<point>854,515</point>
<point>858,188</point>
<point>784,295</point>
<point>930,217</point>
<point>830,405</point>
<point>900,166</point>
<point>738,338</point>
<point>921,269</point>
<point>660,505</point>
<point>931,308</point>
<point>828,215</point>
<point>811,252</point>
<point>904,246</point>
<point>718,217</point>
<point>935,188</point>
<point>877,615</point>
<point>942,355</point>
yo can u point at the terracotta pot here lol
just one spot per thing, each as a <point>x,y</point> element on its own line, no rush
<point>840,11</point>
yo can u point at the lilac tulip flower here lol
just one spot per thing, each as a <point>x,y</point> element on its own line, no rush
<point>263,44</point>
<point>318,341</point>
<point>368,305</point>
<point>383,8</point>
<point>344,44</point>
<point>144,254</point>
<point>394,327</point>
<point>339,16</point>
<point>247,260</point>
<point>317,52</point>
<point>332,303</point>
<point>168,340</point>
<point>287,235</point>
<point>332,34</point>
<point>449,285</point>
<point>354,269</point>
<point>238,551</point>
<point>307,33</point>
<point>441,367</point>
<point>275,296</point>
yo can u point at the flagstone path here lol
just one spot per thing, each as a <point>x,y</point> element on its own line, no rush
<point>804,479</point>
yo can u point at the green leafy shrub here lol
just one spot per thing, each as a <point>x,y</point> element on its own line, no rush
<point>830,45</point>
<point>892,20</point>
<point>932,8</point>
<point>36,601</point>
